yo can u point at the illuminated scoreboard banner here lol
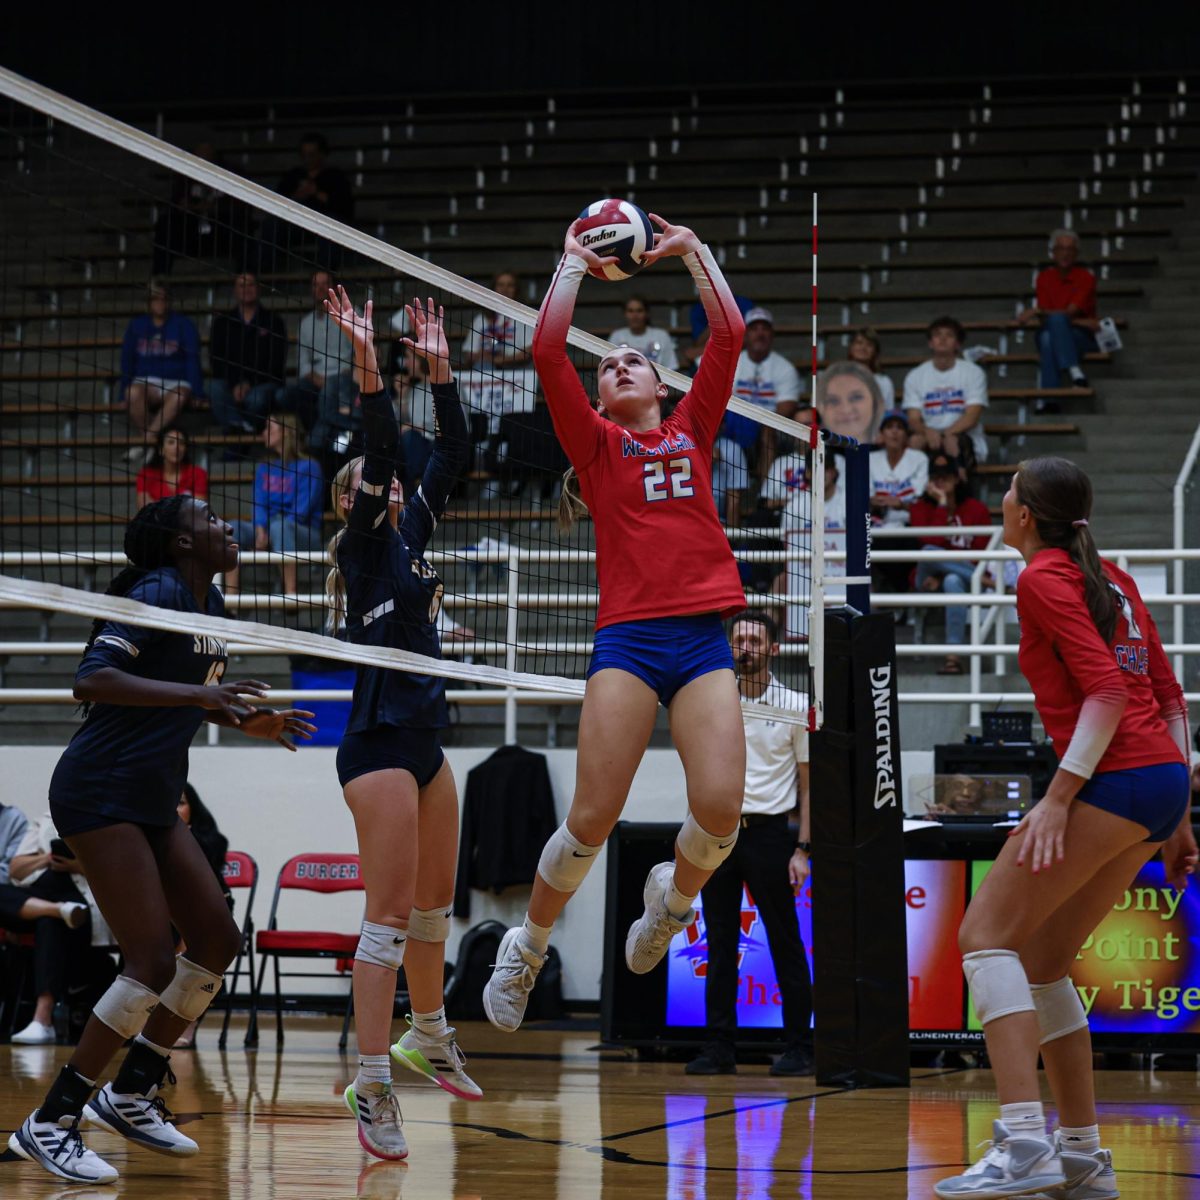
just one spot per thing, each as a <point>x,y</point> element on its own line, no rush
<point>1138,974</point>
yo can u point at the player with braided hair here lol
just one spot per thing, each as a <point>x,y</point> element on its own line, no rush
<point>113,798</point>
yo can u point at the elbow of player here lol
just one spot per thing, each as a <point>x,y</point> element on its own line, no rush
<point>89,689</point>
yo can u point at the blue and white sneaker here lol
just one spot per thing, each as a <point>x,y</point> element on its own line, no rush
<point>1014,1165</point>
<point>145,1120</point>
<point>57,1146</point>
<point>1090,1175</point>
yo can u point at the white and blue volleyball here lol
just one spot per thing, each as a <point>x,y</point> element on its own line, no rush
<point>616,228</point>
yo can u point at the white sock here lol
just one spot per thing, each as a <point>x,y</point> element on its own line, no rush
<point>431,1024</point>
<point>1026,1117</point>
<point>1082,1140</point>
<point>537,937</point>
<point>1076,373</point>
<point>374,1068</point>
<point>141,1037</point>
<point>678,905</point>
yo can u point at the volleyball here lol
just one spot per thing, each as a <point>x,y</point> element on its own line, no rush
<point>616,228</point>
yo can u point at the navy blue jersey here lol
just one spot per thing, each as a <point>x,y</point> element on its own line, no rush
<point>392,594</point>
<point>127,762</point>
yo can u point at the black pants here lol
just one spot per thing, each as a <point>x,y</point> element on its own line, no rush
<point>760,860</point>
<point>58,952</point>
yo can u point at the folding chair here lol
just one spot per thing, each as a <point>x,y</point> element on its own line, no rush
<point>241,871</point>
<point>325,873</point>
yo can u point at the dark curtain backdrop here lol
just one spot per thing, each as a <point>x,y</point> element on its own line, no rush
<point>123,56</point>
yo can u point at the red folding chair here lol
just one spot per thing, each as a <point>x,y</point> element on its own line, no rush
<point>325,873</point>
<point>241,871</point>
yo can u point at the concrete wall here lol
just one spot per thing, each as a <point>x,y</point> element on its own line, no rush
<point>274,805</point>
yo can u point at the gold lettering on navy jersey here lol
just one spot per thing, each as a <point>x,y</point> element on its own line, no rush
<point>632,448</point>
<point>203,644</point>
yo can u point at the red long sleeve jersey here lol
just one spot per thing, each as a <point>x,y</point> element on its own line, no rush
<point>1066,660</point>
<point>660,548</point>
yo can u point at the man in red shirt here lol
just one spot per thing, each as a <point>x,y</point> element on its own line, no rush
<point>945,504</point>
<point>1066,308</point>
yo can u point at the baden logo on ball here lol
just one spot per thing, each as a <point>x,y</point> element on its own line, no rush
<point>618,229</point>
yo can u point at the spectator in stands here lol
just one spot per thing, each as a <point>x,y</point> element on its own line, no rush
<point>789,473</point>
<point>796,524</point>
<point>45,870</point>
<point>325,395</point>
<point>195,815</point>
<point>945,398</point>
<point>1066,309</point>
<point>865,348</point>
<point>18,905</point>
<point>656,344</point>
<point>849,401</point>
<point>289,495</point>
<point>160,368</point>
<point>247,353</point>
<point>496,342</point>
<point>691,354</point>
<point>730,479</point>
<point>198,221</point>
<point>899,476</point>
<point>169,472</point>
<point>315,184</point>
<point>764,377</point>
<point>945,504</point>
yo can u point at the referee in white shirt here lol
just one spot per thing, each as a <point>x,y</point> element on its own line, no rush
<point>770,858</point>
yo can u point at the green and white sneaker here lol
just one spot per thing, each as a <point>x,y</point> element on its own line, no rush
<point>379,1121</point>
<point>437,1059</point>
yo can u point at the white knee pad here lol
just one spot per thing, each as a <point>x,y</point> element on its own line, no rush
<point>998,984</point>
<point>1059,1008</point>
<point>429,924</point>
<point>704,850</point>
<point>565,860</point>
<point>382,945</point>
<point>126,1006</point>
<point>191,991</point>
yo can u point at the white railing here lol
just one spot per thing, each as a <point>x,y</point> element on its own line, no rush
<point>986,626</point>
<point>1179,519</point>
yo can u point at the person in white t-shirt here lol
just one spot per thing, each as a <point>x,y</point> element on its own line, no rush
<point>770,861</point>
<point>899,476</point>
<point>496,341</point>
<point>656,344</point>
<point>945,398</point>
<point>865,348</point>
<point>796,526</point>
<point>764,377</point>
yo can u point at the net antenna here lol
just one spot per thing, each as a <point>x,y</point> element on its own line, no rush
<point>816,606</point>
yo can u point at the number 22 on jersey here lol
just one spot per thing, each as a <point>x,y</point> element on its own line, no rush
<point>664,481</point>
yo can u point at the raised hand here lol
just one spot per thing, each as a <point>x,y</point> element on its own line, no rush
<point>360,330</point>
<point>274,724</point>
<point>674,240</point>
<point>429,338</point>
<point>571,246</point>
<point>230,698</point>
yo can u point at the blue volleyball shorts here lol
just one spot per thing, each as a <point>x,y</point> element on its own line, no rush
<point>665,653</point>
<point>390,748</point>
<point>1156,797</point>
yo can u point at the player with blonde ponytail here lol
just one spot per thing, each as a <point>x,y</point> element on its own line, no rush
<point>393,773</point>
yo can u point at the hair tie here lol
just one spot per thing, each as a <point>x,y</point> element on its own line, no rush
<point>1081,521</point>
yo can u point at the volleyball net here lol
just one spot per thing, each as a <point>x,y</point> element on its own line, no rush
<point>163,331</point>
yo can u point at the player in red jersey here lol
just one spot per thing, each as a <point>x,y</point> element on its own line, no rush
<point>1109,701</point>
<point>666,577</point>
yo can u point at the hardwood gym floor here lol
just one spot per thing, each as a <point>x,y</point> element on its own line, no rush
<point>564,1121</point>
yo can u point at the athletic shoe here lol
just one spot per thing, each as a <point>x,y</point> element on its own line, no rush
<point>377,1111</point>
<point>73,913</point>
<point>716,1058</point>
<point>35,1034</point>
<point>439,1060</point>
<point>795,1060</point>
<point>1014,1165</point>
<point>506,995</point>
<point>1090,1175</point>
<point>652,932</point>
<point>144,1119</point>
<point>57,1146</point>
